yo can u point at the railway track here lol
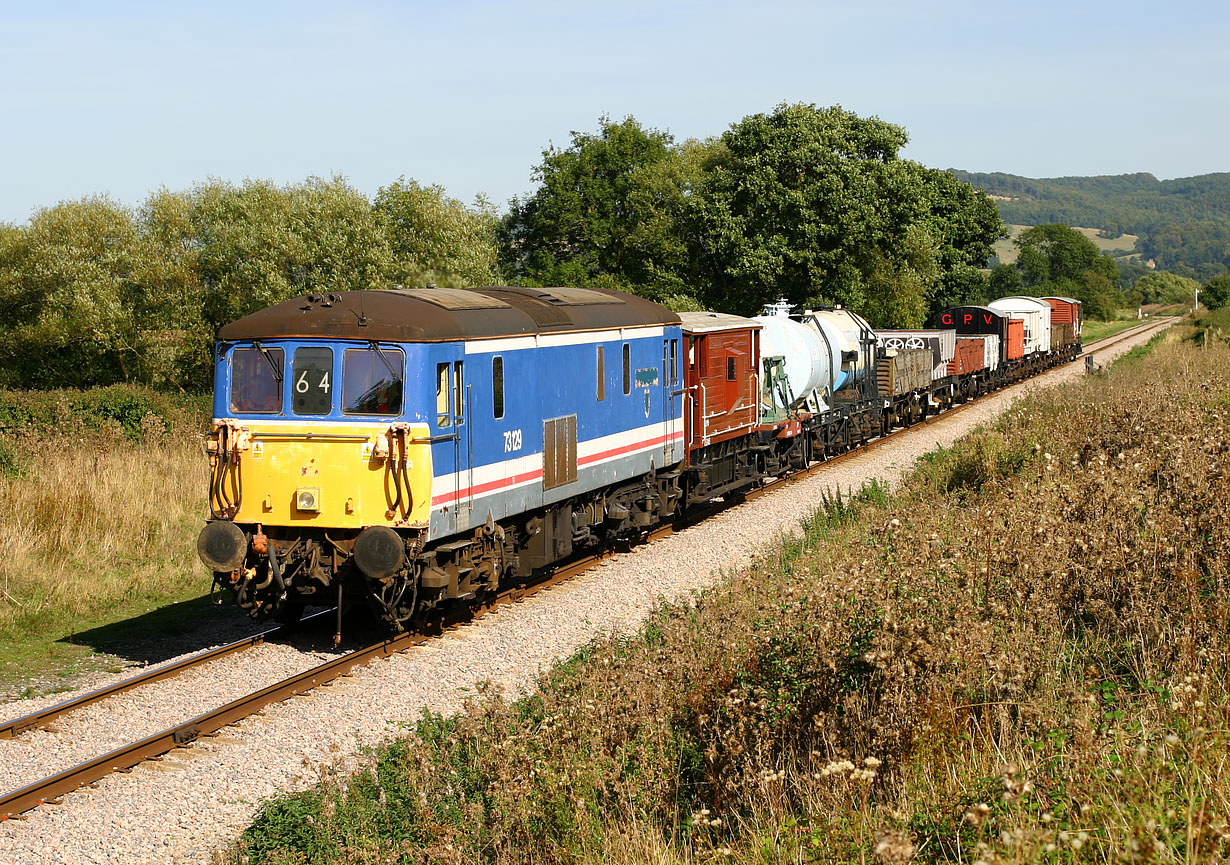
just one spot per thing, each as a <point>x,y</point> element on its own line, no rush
<point>121,759</point>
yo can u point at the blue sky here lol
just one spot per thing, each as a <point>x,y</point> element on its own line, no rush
<point>122,98</point>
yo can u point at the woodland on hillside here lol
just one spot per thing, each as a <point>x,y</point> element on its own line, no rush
<point>1183,224</point>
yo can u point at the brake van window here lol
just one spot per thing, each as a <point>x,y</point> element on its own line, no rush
<point>311,382</point>
<point>256,380</point>
<point>372,380</point>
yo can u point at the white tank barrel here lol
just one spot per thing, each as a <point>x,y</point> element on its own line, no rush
<point>845,336</point>
<point>807,364</point>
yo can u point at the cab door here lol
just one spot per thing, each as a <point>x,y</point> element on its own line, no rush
<point>451,452</point>
<point>464,445</point>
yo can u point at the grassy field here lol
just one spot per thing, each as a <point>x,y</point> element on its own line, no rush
<point>1019,657</point>
<point>1006,251</point>
<point>1095,330</point>
<point>104,493</point>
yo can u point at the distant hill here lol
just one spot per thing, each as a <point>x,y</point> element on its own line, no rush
<point>1183,224</point>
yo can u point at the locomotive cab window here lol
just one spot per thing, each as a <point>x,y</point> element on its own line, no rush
<point>312,381</point>
<point>256,379</point>
<point>372,380</point>
<point>444,412</point>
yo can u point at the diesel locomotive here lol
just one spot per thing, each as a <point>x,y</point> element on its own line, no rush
<point>408,448</point>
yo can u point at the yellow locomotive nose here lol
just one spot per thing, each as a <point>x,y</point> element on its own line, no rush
<point>308,499</point>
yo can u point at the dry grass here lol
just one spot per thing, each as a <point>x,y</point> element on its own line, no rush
<point>1005,248</point>
<point>96,520</point>
<point>1022,657</point>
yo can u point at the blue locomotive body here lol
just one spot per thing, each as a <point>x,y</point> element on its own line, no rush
<point>522,423</point>
<point>437,441</point>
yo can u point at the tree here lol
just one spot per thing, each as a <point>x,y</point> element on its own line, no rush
<point>173,340</point>
<point>806,203</point>
<point>66,282</point>
<point>261,244</point>
<point>602,208</point>
<point>1057,260</point>
<point>1169,288</point>
<point>1069,254</point>
<point>1005,281</point>
<point>1216,292</point>
<point>965,224</point>
<point>435,238</point>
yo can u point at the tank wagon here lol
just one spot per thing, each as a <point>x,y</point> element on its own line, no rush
<point>415,447</point>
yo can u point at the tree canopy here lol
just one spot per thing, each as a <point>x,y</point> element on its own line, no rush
<point>1216,292</point>
<point>811,204</point>
<point>1059,261</point>
<point>93,293</point>
<point>608,210</point>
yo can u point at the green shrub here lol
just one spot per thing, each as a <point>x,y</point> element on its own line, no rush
<point>972,462</point>
<point>11,465</point>
<point>128,406</point>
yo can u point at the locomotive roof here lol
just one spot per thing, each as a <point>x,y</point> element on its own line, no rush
<point>439,314</point>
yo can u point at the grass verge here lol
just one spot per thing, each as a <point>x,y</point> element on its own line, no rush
<point>1095,330</point>
<point>103,494</point>
<point>1020,656</point>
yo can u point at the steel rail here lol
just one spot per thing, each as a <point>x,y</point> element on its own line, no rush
<point>51,788</point>
<point>16,726</point>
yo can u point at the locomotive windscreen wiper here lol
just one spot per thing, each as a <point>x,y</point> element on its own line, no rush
<point>376,348</point>
<point>273,367</point>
